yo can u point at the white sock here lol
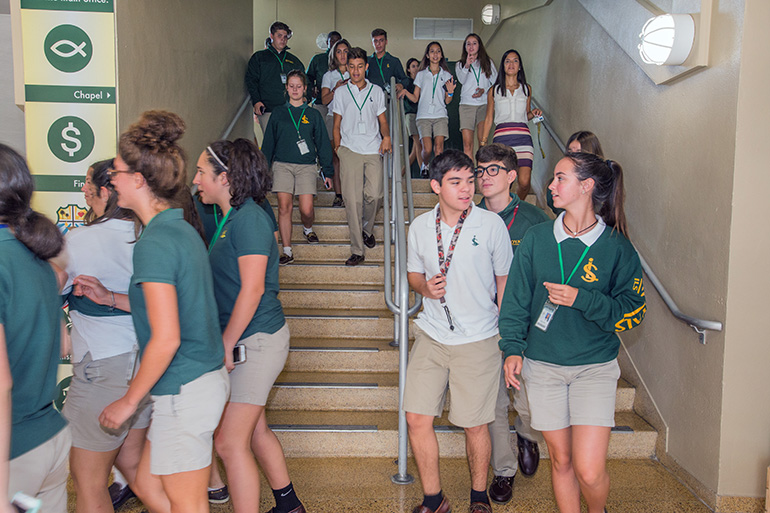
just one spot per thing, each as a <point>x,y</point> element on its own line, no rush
<point>307,230</point>
<point>119,478</point>
<point>287,250</point>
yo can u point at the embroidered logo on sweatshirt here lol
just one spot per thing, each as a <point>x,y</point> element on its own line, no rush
<point>589,276</point>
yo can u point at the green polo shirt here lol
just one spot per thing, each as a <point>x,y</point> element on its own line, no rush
<point>381,70</point>
<point>527,215</point>
<point>281,138</point>
<point>30,310</point>
<point>263,76</point>
<point>247,231</point>
<point>171,251</point>
<point>209,219</point>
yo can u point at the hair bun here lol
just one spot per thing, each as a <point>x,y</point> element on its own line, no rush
<point>157,130</point>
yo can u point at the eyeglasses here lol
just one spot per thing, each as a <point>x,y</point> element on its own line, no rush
<point>492,170</point>
<point>112,173</point>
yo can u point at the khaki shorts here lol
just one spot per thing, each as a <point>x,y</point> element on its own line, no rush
<point>252,380</point>
<point>561,396</point>
<point>295,178</point>
<point>438,127</point>
<point>182,429</point>
<point>42,472</point>
<point>323,109</point>
<point>471,116</point>
<point>95,385</point>
<point>411,122</point>
<point>472,372</point>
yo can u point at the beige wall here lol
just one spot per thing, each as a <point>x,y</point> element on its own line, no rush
<point>745,447</point>
<point>186,57</point>
<point>677,144</point>
<point>308,18</point>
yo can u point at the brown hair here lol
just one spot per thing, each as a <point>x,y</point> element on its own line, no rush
<point>484,62</point>
<point>425,62</point>
<point>589,143</point>
<point>608,195</point>
<point>247,169</point>
<point>333,63</point>
<point>498,152</point>
<point>100,177</point>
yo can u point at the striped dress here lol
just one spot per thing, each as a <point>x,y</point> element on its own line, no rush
<point>511,124</point>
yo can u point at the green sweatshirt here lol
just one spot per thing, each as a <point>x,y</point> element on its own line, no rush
<point>263,76</point>
<point>318,66</point>
<point>281,138</point>
<point>391,67</point>
<point>527,215</point>
<point>610,298</point>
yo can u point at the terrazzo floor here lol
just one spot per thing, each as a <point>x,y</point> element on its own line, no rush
<point>364,485</point>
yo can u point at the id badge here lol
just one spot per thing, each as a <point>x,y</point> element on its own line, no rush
<point>283,78</point>
<point>546,315</point>
<point>361,128</point>
<point>303,149</point>
<point>387,88</point>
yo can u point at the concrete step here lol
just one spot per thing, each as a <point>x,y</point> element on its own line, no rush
<point>329,355</point>
<point>313,299</point>
<point>322,434</point>
<point>330,215</point>
<point>335,275</point>
<point>331,234</point>
<point>341,328</point>
<point>328,252</point>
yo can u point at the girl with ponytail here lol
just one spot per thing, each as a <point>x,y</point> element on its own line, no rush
<point>174,312</point>
<point>234,177</point>
<point>30,313</point>
<point>573,285</point>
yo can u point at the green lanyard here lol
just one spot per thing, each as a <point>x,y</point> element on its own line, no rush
<point>360,108</point>
<point>379,65</point>
<point>561,264</point>
<point>280,61</point>
<point>478,76</point>
<point>435,83</point>
<point>219,227</point>
<point>296,123</point>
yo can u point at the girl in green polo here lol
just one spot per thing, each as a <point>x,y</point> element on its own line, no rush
<point>243,253</point>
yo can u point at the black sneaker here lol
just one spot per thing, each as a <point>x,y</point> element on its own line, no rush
<point>338,202</point>
<point>369,241</point>
<point>354,260</point>
<point>311,237</point>
<point>119,495</point>
<point>219,496</point>
<point>285,259</point>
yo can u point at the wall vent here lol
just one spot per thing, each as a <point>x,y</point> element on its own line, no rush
<point>451,29</point>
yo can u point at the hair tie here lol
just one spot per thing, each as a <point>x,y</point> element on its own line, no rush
<point>609,163</point>
<point>215,157</point>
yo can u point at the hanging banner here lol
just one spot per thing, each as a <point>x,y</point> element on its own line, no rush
<point>70,105</point>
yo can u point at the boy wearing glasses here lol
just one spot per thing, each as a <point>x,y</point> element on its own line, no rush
<point>495,171</point>
<point>458,259</point>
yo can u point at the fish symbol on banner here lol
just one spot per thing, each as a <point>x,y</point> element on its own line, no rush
<point>66,42</point>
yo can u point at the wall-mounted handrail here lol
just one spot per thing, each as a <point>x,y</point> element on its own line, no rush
<point>699,325</point>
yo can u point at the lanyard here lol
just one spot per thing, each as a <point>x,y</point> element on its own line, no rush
<point>515,211</point>
<point>219,227</point>
<point>561,263</point>
<point>444,261</point>
<point>435,82</point>
<point>296,125</point>
<point>342,76</point>
<point>280,61</point>
<point>354,98</point>
<point>478,76</point>
<point>379,65</point>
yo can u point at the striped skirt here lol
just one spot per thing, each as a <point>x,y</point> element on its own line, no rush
<point>517,136</point>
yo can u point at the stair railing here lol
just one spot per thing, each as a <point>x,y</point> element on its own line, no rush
<point>396,284</point>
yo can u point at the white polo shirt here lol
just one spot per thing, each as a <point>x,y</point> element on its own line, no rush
<point>483,251</point>
<point>330,80</point>
<point>430,95</point>
<point>472,78</point>
<point>360,129</point>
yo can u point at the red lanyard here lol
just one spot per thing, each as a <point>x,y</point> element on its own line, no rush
<point>444,261</point>
<point>510,223</point>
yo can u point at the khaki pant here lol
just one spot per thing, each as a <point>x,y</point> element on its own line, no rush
<point>504,462</point>
<point>361,180</point>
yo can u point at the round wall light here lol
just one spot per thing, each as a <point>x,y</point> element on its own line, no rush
<point>490,14</point>
<point>667,39</point>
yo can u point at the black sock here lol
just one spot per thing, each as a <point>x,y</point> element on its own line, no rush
<point>477,496</point>
<point>432,502</point>
<point>286,499</point>
<point>338,195</point>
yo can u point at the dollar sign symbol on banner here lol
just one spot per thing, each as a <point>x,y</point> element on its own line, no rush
<point>70,139</point>
<point>65,135</point>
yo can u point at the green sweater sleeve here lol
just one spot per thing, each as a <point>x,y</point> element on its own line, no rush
<point>252,79</point>
<point>515,311</point>
<point>624,307</point>
<point>323,148</point>
<point>401,77</point>
<point>268,143</point>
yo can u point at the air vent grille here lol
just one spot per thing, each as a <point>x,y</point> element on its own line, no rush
<point>442,28</point>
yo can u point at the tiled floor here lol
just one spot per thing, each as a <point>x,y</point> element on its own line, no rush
<point>335,485</point>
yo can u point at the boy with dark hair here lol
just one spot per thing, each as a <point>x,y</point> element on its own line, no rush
<point>496,167</point>
<point>318,66</point>
<point>456,334</point>
<point>267,71</point>
<point>361,137</point>
<point>383,66</point>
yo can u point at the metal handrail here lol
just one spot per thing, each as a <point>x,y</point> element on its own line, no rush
<point>699,325</point>
<point>395,272</point>
<point>245,103</point>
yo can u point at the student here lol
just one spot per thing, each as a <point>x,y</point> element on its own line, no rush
<point>336,77</point>
<point>495,172</point>
<point>104,350</point>
<point>383,66</point>
<point>294,139</point>
<point>267,72</point>
<point>175,316</point>
<point>509,104</point>
<point>361,137</point>
<point>476,72</point>
<point>584,141</point>
<point>410,109</point>
<point>34,438</point>
<point>318,66</point>
<point>573,284</point>
<point>244,263</point>
<point>433,90</point>
<point>456,333</point>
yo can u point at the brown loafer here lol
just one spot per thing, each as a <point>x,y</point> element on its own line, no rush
<point>529,455</point>
<point>444,507</point>
<point>501,489</point>
<point>480,507</point>
<point>354,259</point>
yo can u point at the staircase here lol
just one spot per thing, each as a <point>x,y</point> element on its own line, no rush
<point>338,394</point>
